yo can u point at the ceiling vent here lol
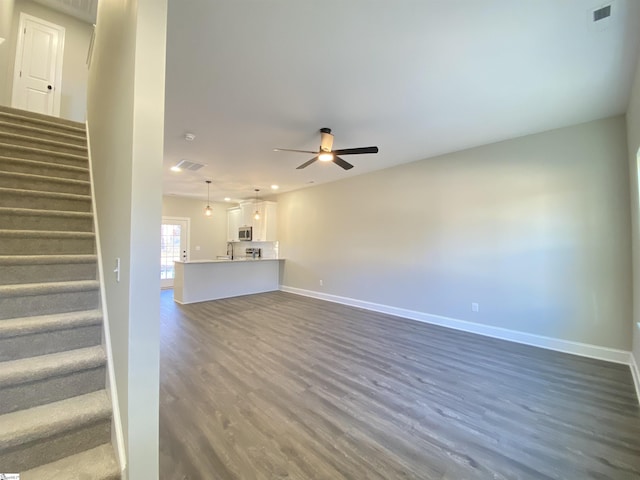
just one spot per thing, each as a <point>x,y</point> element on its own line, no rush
<point>191,166</point>
<point>602,13</point>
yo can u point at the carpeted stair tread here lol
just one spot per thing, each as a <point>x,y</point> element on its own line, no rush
<point>32,289</point>
<point>32,131</point>
<point>6,260</point>
<point>48,323</point>
<point>46,242</point>
<point>10,114</point>
<point>36,212</point>
<point>18,218</point>
<point>42,143</point>
<point>53,419</point>
<point>44,234</point>
<point>44,178</point>
<point>30,369</point>
<point>23,337</point>
<point>96,464</point>
<point>21,164</point>
<point>68,196</point>
<point>27,152</point>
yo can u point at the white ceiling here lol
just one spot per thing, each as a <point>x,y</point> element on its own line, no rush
<point>84,10</point>
<point>417,78</point>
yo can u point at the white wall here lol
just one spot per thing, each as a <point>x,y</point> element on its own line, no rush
<point>209,233</point>
<point>536,230</point>
<point>6,54</point>
<point>125,116</point>
<point>73,101</point>
<point>633,138</point>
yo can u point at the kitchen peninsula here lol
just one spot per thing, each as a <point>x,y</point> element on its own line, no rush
<point>202,280</point>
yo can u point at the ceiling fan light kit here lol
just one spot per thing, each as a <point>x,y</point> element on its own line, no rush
<point>326,152</point>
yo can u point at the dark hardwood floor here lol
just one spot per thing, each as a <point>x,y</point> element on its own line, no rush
<point>281,386</point>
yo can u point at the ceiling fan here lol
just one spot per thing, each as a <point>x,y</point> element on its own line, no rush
<point>326,154</point>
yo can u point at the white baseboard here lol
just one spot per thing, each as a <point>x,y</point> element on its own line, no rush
<point>635,372</point>
<point>576,348</point>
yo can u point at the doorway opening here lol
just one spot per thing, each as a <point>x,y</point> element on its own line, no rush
<point>174,246</point>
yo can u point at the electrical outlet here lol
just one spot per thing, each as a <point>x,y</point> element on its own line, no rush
<point>197,248</point>
<point>321,283</point>
<point>475,307</point>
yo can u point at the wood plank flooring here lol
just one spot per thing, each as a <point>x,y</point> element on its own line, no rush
<point>281,386</point>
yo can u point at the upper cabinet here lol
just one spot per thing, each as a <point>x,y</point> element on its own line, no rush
<point>234,222</point>
<point>264,228</point>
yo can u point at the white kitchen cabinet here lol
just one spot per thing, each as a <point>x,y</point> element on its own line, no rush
<point>247,211</point>
<point>264,228</point>
<point>233,223</point>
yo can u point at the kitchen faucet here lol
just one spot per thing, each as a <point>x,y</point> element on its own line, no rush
<point>230,249</point>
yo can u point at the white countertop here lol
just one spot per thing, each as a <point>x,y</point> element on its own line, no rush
<point>226,260</point>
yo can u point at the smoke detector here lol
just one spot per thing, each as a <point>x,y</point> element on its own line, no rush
<point>189,137</point>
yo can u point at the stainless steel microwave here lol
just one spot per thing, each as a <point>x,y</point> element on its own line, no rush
<point>245,234</point>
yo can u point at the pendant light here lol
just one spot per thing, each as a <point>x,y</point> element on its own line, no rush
<point>208,211</point>
<point>256,214</point>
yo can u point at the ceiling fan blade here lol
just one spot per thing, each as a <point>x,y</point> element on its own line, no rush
<point>341,163</point>
<point>306,164</point>
<point>356,151</point>
<point>291,150</point>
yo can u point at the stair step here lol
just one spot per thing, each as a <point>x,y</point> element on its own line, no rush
<point>16,269</point>
<point>42,143</point>
<point>42,133</point>
<point>42,183</point>
<point>38,219</point>
<point>43,155</point>
<point>12,164</point>
<point>96,464</point>
<point>48,298</point>
<point>44,334</point>
<point>14,197</point>
<point>29,382</point>
<point>43,242</point>
<point>22,117</point>
<point>47,433</point>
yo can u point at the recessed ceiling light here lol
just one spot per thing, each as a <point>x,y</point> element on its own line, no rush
<point>189,137</point>
<point>275,187</point>
<point>176,168</point>
<point>227,199</point>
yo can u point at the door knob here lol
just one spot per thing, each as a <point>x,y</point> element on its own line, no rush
<point>49,87</point>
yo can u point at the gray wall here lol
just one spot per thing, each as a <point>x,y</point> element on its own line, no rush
<point>536,230</point>
<point>633,137</point>
<point>73,101</point>
<point>210,233</point>
<point>125,116</point>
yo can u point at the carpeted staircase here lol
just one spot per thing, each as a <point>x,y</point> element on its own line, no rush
<point>55,414</point>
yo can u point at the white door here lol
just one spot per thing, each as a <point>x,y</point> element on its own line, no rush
<point>37,73</point>
<point>174,245</point>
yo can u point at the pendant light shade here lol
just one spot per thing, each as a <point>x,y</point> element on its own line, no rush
<point>208,211</point>
<point>256,214</point>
